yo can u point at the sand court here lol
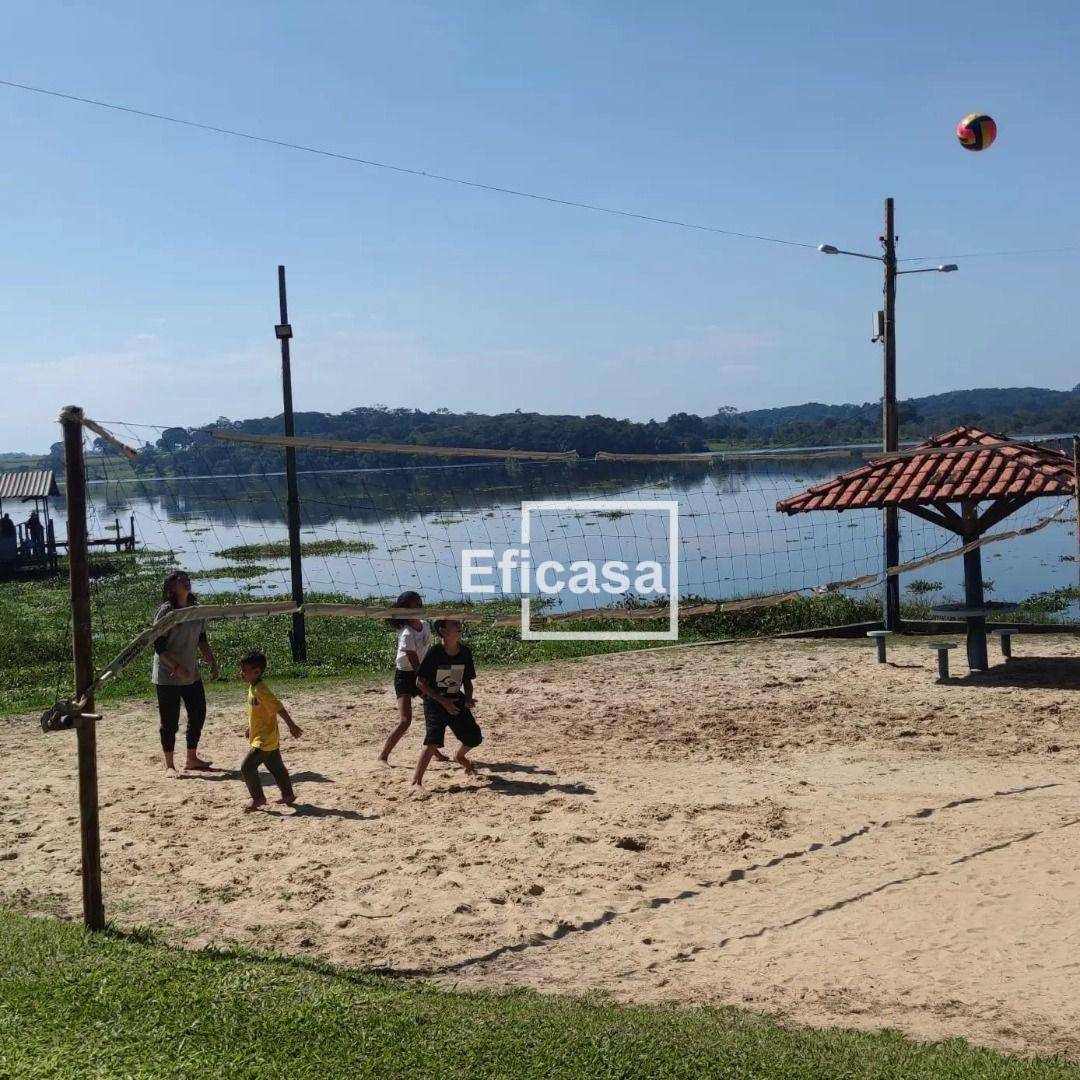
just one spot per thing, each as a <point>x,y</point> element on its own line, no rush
<point>780,825</point>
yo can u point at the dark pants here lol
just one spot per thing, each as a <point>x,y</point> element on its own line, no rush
<point>273,760</point>
<point>168,700</point>
<point>437,720</point>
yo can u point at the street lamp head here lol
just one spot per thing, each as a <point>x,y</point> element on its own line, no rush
<point>948,268</point>
<point>828,249</point>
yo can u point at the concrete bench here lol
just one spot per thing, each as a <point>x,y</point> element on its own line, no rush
<point>942,649</point>
<point>879,637</point>
<point>1005,633</point>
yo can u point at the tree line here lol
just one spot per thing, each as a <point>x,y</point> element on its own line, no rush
<point>194,449</point>
<point>1014,411</point>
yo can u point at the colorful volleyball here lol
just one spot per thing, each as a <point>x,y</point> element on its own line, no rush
<point>976,132</point>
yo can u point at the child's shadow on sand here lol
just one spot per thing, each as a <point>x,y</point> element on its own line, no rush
<point>525,787</point>
<point>265,778</point>
<point>310,810</point>
<point>514,767</point>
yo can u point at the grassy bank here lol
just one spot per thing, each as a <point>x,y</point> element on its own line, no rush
<point>74,1006</point>
<point>35,622</point>
<point>35,628</point>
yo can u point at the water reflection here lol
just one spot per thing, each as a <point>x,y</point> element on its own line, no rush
<point>419,520</point>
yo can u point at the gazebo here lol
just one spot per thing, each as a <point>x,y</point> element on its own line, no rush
<point>950,483</point>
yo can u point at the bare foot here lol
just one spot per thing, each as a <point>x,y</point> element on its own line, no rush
<point>285,802</point>
<point>416,791</point>
<point>384,761</point>
<point>465,763</point>
<point>440,756</point>
<point>255,804</point>
<point>197,764</point>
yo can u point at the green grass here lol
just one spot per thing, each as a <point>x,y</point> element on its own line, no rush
<point>35,628</point>
<point>98,466</point>
<point>280,549</point>
<point>242,570</point>
<point>75,1006</point>
<point>20,461</point>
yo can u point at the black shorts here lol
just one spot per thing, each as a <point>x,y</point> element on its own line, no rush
<point>405,684</point>
<point>464,726</point>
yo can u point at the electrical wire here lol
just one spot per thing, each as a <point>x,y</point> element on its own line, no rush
<point>990,254</point>
<point>496,188</point>
<point>579,205</point>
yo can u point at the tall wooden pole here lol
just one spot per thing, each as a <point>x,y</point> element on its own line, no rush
<point>298,638</point>
<point>1076,488</point>
<point>83,653</point>
<point>889,419</point>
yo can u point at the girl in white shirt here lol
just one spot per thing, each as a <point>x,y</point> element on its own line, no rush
<point>414,637</point>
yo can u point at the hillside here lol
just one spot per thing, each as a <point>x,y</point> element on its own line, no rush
<point>1016,410</point>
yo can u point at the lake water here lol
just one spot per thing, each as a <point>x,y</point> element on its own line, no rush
<point>419,519</point>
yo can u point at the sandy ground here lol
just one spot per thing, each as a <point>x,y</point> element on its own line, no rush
<point>784,826</point>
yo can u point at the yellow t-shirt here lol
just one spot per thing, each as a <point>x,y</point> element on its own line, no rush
<point>263,708</point>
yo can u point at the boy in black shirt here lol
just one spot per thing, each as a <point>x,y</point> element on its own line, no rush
<point>445,678</point>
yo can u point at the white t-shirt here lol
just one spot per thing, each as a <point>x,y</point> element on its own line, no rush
<point>410,640</point>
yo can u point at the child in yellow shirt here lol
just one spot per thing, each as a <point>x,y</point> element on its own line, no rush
<point>263,711</point>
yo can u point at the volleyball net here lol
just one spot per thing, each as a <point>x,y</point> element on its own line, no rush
<point>380,519</point>
<point>216,505</point>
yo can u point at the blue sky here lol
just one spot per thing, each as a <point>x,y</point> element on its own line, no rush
<point>139,266</point>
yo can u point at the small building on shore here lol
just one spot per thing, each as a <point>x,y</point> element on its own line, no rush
<point>27,533</point>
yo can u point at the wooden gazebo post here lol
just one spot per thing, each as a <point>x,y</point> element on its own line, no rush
<point>973,589</point>
<point>970,525</point>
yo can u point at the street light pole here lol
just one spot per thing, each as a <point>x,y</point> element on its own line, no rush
<point>885,332</point>
<point>890,426</point>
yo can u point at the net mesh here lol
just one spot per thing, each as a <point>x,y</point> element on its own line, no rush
<point>374,525</point>
<point>370,531</point>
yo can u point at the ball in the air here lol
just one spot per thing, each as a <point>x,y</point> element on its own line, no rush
<point>976,132</point>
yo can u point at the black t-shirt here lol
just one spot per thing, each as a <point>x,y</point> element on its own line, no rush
<point>447,673</point>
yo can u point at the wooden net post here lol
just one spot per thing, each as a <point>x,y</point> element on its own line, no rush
<point>83,655</point>
<point>298,638</point>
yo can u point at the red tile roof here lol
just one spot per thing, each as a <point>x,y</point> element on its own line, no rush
<point>1019,469</point>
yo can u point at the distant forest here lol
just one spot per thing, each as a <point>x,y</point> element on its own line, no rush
<point>1014,410</point>
<point>193,449</point>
